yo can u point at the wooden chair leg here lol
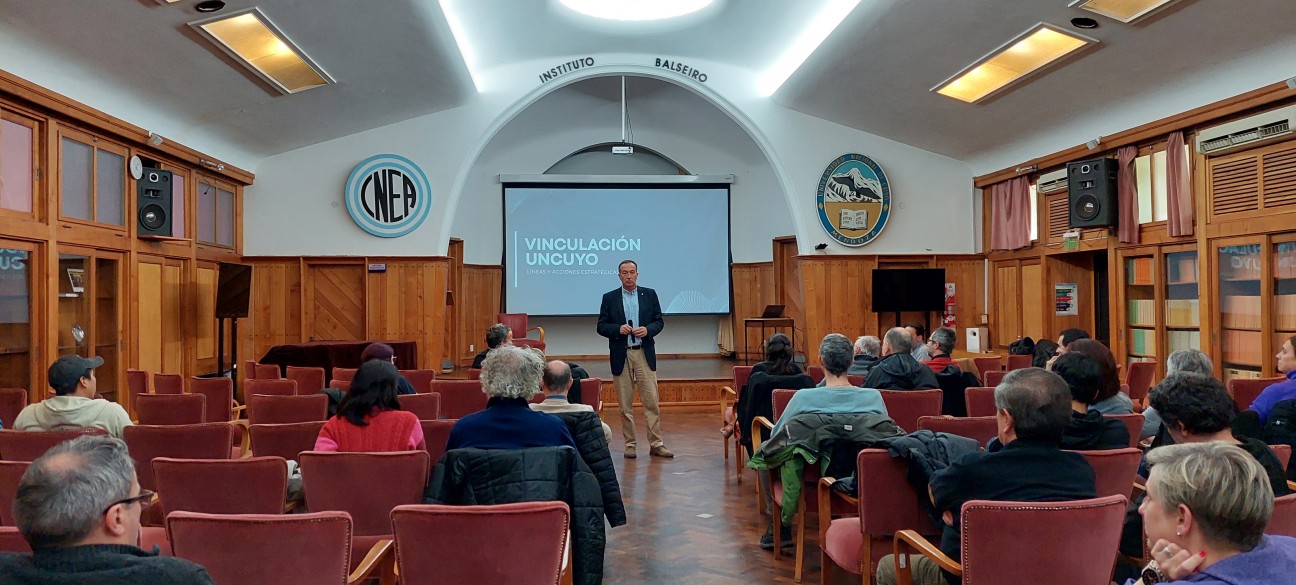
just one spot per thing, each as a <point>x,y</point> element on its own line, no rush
<point>798,524</point>
<point>739,452</point>
<point>777,512</point>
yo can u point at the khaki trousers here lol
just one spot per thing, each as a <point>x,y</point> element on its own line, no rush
<point>923,570</point>
<point>637,371</point>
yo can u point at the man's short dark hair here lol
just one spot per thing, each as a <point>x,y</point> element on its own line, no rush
<point>836,353</point>
<point>1200,403</point>
<point>63,495</point>
<point>496,334</point>
<point>1082,373</point>
<point>1039,403</point>
<point>627,261</point>
<point>1072,334</point>
<point>557,381</point>
<point>919,330</point>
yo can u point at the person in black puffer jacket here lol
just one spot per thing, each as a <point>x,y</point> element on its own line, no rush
<point>588,432</point>
<point>898,370</point>
<point>777,371</point>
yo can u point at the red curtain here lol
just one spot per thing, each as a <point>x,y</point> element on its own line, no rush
<point>1179,200</point>
<point>1010,214</point>
<point>1127,196</point>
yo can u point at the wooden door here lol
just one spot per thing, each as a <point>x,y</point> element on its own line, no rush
<point>160,319</point>
<point>336,303</point>
<point>1033,294</point>
<point>1008,302</point>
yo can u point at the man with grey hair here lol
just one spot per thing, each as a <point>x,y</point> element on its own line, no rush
<point>898,370</point>
<point>79,508</point>
<point>496,335</point>
<point>1191,361</point>
<point>556,382</point>
<point>1033,411</point>
<point>510,377</point>
<point>868,350</point>
<point>940,345</point>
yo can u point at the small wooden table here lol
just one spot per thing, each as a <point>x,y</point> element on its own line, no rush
<point>763,324</point>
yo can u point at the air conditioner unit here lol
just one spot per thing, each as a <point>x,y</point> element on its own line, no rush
<point>1247,132</point>
<point>1052,182</point>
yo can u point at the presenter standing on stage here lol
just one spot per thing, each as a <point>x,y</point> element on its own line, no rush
<point>630,317</point>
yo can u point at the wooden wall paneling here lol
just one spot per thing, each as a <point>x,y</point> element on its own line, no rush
<point>407,302</point>
<point>203,301</point>
<point>456,342</point>
<point>148,283</point>
<point>753,289</point>
<point>1035,295</point>
<point>832,288</point>
<point>478,306</point>
<point>1005,320</point>
<point>788,287</point>
<point>968,275</point>
<point>275,315</point>
<point>335,301</point>
<point>1077,268</point>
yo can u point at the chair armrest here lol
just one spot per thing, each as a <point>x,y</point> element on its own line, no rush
<point>540,329</point>
<point>908,542</point>
<point>826,495</point>
<point>1291,485</point>
<point>1140,487</point>
<point>757,423</point>
<point>239,410</point>
<point>381,558</point>
<point>726,395</point>
<point>290,506</point>
<point>245,446</point>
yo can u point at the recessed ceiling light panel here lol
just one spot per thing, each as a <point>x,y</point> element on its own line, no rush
<point>254,41</point>
<point>636,9</point>
<point>1126,11</point>
<point>1029,53</point>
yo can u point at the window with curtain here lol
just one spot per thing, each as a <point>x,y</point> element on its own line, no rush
<point>1151,179</point>
<point>1034,216</point>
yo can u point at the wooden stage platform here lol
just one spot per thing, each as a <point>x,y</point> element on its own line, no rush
<point>682,383</point>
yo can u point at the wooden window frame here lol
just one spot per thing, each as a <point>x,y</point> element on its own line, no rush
<point>200,179</point>
<point>96,143</point>
<point>37,127</point>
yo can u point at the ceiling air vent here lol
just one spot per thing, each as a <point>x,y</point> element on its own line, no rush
<point>1247,132</point>
<point>1052,182</point>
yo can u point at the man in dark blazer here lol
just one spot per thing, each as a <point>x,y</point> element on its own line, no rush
<point>630,317</point>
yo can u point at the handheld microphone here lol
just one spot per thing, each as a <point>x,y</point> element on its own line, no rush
<point>631,323</point>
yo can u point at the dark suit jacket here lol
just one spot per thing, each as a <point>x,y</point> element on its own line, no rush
<point>612,316</point>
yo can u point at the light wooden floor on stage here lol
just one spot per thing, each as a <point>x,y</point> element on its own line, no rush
<point>681,382</point>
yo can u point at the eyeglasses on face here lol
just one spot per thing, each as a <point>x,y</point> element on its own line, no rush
<point>145,499</point>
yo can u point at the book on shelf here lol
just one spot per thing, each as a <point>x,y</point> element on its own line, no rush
<point>1138,271</point>
<point>1143,342</point>
<point>1231,373</point>
<point>1177,340</point>
<point>1241,347</point>
<point>1240,312</point>
<point>1285,312</point>
<point>1181,269</point>
<point>1183,313</point>
<point>1142,313</point>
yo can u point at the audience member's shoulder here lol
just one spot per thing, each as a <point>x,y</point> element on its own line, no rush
<point>177,571</point>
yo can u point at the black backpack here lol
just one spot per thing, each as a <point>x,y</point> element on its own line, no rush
<point>1280,428</point>
<point>1023,346</point>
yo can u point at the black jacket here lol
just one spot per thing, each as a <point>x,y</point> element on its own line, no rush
<point>758,400</point>
<point>954,383</point>
<point>587,429</point>
<point>612,316</point>
<point>862,364</point>
<point>99,564</point>
<point>1091,431</point>
<point>899,371</point>
<point>475,477</point>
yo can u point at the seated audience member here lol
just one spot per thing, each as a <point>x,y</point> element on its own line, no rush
<point>384,352</point>
<point>1045,351</point>
<point>510,376</point>
<point>918,337</point>
<point>940,345</point>
<point>1275,393</point>
<point>557,380</point>
<point>496,335</point>
<point>370,418</point>
<point>868,351</point>
<point>79,508</point>
<point>1206,509</point>
<point>1189,361</point>
<point>778,356</point>
<point>1110,399</point>
<point>776,372</point>
<point>1089,429</point>
<point>1034,409</point>
<point>73,406</point>
<point>1066,338</point>
<point>897,369</point>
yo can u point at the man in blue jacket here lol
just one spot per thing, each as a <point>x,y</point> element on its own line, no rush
<point>630,317</point>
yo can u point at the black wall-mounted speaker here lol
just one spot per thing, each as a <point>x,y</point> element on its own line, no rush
<point>1091,192</point>
<point>153,203</point>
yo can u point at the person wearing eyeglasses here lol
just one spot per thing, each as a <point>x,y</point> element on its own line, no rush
<point>78,506</point>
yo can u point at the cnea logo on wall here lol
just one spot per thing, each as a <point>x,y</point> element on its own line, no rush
<point>388,195</point>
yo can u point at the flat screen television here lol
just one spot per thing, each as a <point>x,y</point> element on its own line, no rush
<point>908,289</point>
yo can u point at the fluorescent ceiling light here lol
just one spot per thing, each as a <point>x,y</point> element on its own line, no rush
<point>824,23</point>
<point>255,42</point>
<point>1126,11</point>
<point>1016,60</point>
<point>460,35</point>
<point>165,2</point>
<point>636,9</point>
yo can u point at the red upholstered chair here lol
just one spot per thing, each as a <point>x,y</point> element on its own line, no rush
<point>308,380</point>
<point>1283,520</point>
<point>249,370</point>
<point>344,374</point>
<point>12,401</point>
<point>28,445</point>
<point>218,391</point>
<point>269,549</point>
<point>980,401</point>
<point>1139,379</point>
<point>534,533</point>
<point>168,383</point>
<point>12,541</point>
<point>200,441</point>
<point>10,474</point>
<point>729,396</point>
<point>343,385</point>
<point>266,409</point>
<point>887,503</point>
<point>345,482</point>
<point>474,373</point>
<point>272,387</point>
<point>1245,391</point>
<point>1019,362</point>
<point>993,378</point>
<point>137,382</point>
<point>978,428</point>
<point>171,409</point>
<point>257,485</point>
<point>986,364</point>
<point>284,440</point>
<point>905,407</point>
<point>425,406</point>
<point>590,394</point>
<point>460,398</point>
<point>436,435</point>
<point>855,380</point>
<point>1133,424</point>
<point>421,380</point>
<point>816,373</point>
<point>268,372</point>
<point>1282,453</point>
<point>1051,530</point>
<point>1114,470</point>
<point>518,323</point>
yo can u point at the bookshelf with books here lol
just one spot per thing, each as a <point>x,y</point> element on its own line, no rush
<point>1182,300</point>
<point>1284,293</point>
<point>1241,347</point>
<point>1141,304</point>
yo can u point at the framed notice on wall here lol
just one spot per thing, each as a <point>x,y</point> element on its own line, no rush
<point>1064,294</point>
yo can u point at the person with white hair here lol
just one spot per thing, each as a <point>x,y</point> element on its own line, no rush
<point>868,351</point>
<point>510,376</point>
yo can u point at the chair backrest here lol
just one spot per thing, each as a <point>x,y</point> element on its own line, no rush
<point>343,385</point>
<point>740,376</point>
<point>1283,520</point>
<point>473,374</point>
<point>12,401</point>
<point>992,378</point>
<point>1244,391</point>
<point>779,400</point>
<point>345,482</point>
<point>12,541</point>
<point>137,382</point>
<point>345,374</point>
<point>855,380</point>
<point>271,387</point>
<point>986,364</point>
<point>1018,362</point>
<point>1139,378</point>
<point>266,409</point>
<point>201,441</point>
<point>308,379</point>
<point>436,435</point>
<point>268,372</point>
<point>11,473</point>
<point>1133,424</point>
<point>460,398</point>
<point>978,428</point>
<point>421,380</point>
<point>887,503</point>
<point>249,370</point>
<point>424,406</point>
<point>534,533</point>
<point>265,549</point>
<point>171,409</point>
<point>967,365</point>
<point>980,401</point>
<point>515,321</point>
<point>816,373</point>
<point>28,445</point>
<point>1114,470</point>
<point>1053,530</point>
<point>905,407</point>
<point>168,383</point>
<point>218,391</point>
<point>1282,453</point>
<point>590,393</point>
<point>221,486</point>
<point>284,440</point>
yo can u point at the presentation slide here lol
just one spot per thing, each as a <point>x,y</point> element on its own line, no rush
<point>562,245</point>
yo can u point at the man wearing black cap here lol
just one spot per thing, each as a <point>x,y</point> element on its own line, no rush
<point>74,406</point>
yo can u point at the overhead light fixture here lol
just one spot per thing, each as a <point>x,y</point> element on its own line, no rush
<point>460,34</point>
<point>165,2</point>
<point>207,6</point>
<point>823,24</point>
<point>1084,22</point>
<point>254,41</point>
<point>636,10</point>
<point>1126,11</point>
<point>1019,58</point>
